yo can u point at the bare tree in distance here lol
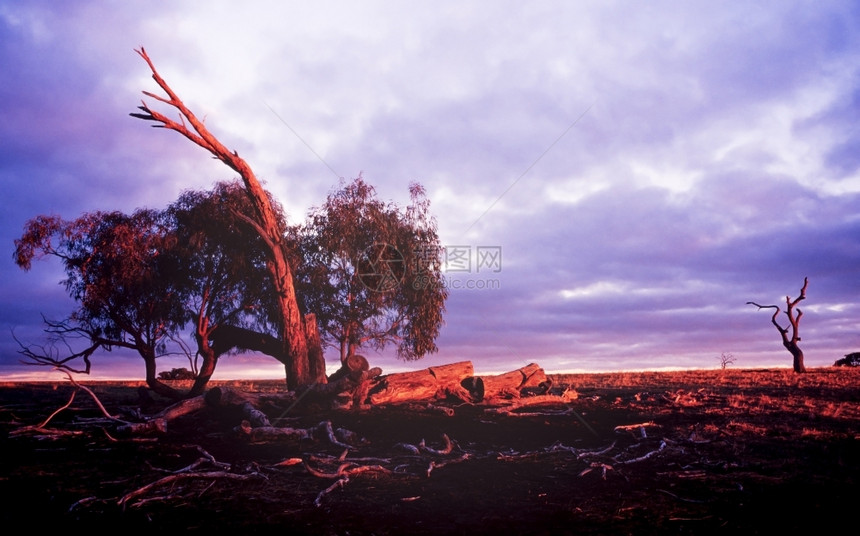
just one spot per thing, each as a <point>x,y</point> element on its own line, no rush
<point>305,366</point>
<point>726,360</point>
<point>790,343</point>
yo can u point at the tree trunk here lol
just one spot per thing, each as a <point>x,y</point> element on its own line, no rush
<point>152,379</point>
<point>204,374</point>
<point>797,354</point>
<point>790,342</point>
<point>434,383</point>
<point>316,358</point>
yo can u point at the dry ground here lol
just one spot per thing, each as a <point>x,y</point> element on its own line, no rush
<point>719,452</point>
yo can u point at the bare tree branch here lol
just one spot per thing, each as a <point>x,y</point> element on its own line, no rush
<point>790,343</point>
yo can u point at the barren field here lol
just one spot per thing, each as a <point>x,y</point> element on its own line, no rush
<point>701,452</point>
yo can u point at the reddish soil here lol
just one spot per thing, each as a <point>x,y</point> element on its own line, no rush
<point>729,452</point>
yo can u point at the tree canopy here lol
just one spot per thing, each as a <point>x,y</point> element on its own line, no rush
<point>120,271</point>
<point>371,271</point>
<point>201,268</point>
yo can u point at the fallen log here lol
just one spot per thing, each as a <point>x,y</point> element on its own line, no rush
<point>455,380</point>
<point>271,434</point>
<point>158,423</point>
<point>530,379</point>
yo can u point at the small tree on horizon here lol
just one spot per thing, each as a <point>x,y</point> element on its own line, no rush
<point>790,342</point>
<point>726,360</point>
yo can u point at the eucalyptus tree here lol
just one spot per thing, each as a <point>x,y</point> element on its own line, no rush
<point>371,271</point>
<point>222,273</point>
<point>140,280</point>
<point>119,269</point>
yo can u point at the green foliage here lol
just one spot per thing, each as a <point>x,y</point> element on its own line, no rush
<point>140,280</point>
<point>350,245</point>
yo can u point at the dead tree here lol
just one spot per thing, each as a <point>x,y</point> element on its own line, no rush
<point>294,336</point>
<point>790,343</point>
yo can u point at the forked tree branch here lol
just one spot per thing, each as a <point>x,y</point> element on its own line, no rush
<point>200,135</point>
<point>790,343</point>
<point>794,320</point>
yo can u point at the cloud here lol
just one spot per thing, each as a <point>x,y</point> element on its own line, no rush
<point>646,170</point>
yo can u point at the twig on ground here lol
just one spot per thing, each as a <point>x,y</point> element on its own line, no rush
<point>645,456</point>
<point>641,427</point>
<point>124,501</point>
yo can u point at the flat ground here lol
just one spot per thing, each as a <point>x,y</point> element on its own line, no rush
<point>702,452</point>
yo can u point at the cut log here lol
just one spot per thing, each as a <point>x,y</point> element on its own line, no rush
<point>530,379</point>
<point>455,380</point>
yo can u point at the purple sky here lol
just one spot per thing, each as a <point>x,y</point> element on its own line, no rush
<point>646,169</point>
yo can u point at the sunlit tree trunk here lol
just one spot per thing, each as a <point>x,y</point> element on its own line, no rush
<point>293,335</point>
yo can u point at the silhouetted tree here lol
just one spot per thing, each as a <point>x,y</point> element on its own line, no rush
<point>140,279</point>
<point>180,374</point>
<point>371,271</point>
<point>790,342</point>
<point>222,261</point>
<point>850,360</point>
<point>726,360</point>
<point>120,270</point>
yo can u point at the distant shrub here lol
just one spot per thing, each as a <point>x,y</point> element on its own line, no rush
<point>850,360</point>
<point>176,374</point>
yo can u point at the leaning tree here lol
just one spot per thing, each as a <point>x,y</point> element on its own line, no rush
<point>304,364</point>
<point>790,342</point>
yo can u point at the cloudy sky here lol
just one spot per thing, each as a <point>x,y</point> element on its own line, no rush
<point>643,169</point>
